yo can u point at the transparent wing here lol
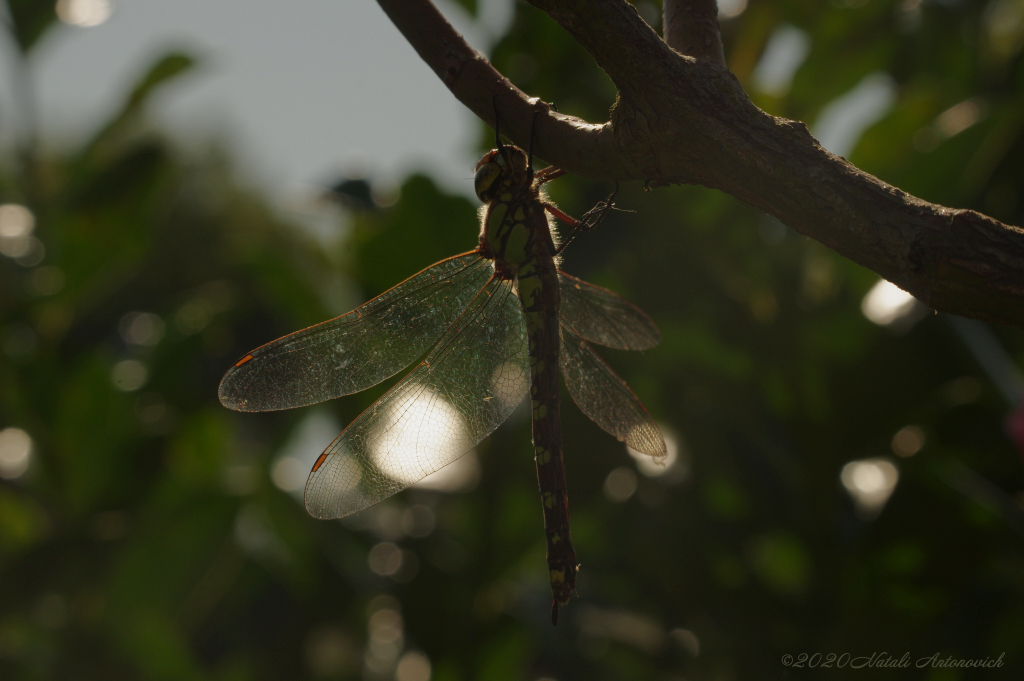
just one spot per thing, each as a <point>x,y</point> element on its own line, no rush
<point>605,398</point>
<point>359,349</point>
<point>464,389</point>
<point>603,317</point>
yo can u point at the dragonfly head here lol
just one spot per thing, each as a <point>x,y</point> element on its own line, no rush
<point>501,170</point>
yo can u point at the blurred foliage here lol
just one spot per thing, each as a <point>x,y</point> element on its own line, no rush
<point>29,19</point>
<point>147,539</point>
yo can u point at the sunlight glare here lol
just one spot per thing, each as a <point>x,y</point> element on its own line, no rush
<point>887,303</point>
<point>460,475</point>
<point>673,468</point>
<point>419,437</point>
<point>509,383</point>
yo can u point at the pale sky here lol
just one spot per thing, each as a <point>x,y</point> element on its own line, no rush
<point>303,90</point>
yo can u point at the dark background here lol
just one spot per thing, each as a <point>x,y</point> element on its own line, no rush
<point>147,539</point>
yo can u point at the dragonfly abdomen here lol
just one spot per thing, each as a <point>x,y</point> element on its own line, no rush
<point>540,296</point>
<point>517,237</point>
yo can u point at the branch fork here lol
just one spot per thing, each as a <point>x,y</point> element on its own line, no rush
<point>684,119</point>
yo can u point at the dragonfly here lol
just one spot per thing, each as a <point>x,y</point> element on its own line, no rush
<point>491,326</point>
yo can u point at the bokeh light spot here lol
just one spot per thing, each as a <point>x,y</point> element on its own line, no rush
<point>728,9</point>
<point>385,558</point>
<point>870,483</point>
<point>129,375</point>
<point>330,652</point>
<point>418,521</point>
<point>50,611</point>
<point>687,640</point>
<point>15,453</point>
<point>386,637</point>
<point>46,281</point>
<point>908,441</point>
<point>84,13</point>
<point>620,485</point>
<point>15,221</point>
<point>959,117</point>
<point>288,474</point>
<point>413,666</point>
<point>886,303</point>
<point>786,50</point>
<point>141,328</point>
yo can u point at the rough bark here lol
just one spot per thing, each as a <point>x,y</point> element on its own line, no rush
<point>691,27</point>
<point>685,120</point>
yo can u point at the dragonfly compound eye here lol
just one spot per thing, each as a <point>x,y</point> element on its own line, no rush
<point>483,183</point>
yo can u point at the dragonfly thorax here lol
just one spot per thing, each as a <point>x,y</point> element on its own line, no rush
<point>514,231</point>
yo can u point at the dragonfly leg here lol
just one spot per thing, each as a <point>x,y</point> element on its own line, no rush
<point>497,136</point>
<point>591,219</point>
<point>540,107</point>
<point>545,175</point>
<point>564,217</point>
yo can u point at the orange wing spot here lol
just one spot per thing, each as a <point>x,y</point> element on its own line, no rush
<point>567,219</point>
<point>319,462</point>
<point>243,361</point>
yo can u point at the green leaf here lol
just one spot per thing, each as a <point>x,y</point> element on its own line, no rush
<point>31,18</point>
<point>160,73</point>
<point>165,69</point>
<point>468,5</point>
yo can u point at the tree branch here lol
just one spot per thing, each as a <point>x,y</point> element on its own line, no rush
<point>681,120</point>
<point>583,148</point>
<point>691,27</point>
